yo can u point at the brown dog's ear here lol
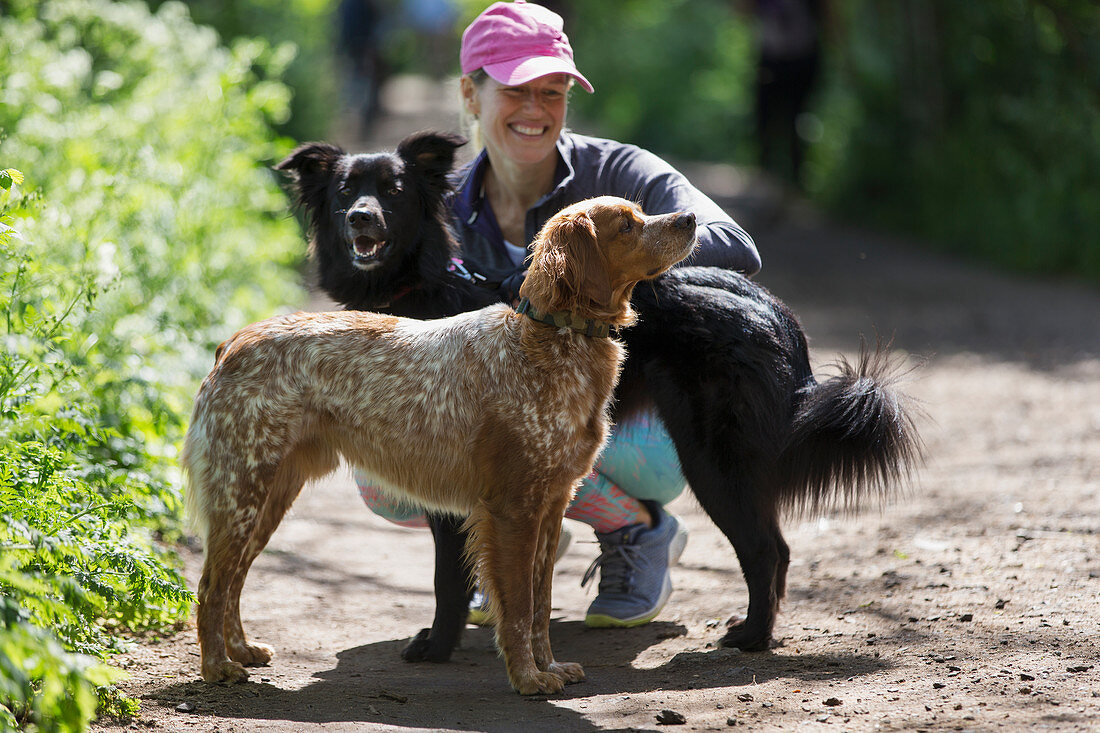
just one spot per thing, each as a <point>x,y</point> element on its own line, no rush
<point>567,270</point>
<point>311,167</point>
<point>431,155</point>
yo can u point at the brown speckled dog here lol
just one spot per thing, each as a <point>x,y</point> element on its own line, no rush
<point>495,414</point>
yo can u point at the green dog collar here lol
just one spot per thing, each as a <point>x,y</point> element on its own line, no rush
<point>565,319</point>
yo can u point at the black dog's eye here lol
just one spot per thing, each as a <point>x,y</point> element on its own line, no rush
<point>394,189</point>
<point>345,190</point>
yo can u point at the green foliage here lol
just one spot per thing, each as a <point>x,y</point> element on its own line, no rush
<point>974,125</point>
<point>304,33</point>
<point>150,142</point>
<point>75,558</point>
<point>673,76</point>
<point>79,563</point>
<point>41,683</point>
<point>146,229</point>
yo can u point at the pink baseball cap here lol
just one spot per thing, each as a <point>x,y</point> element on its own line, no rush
<point>516,42</point>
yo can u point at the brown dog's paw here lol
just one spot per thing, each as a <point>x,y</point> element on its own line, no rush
<point>569,672</point>
<point>539,683</point>
<point>251,654</point>
<point>224,673</point>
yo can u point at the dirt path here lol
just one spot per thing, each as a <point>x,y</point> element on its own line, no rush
<point>968,604</point>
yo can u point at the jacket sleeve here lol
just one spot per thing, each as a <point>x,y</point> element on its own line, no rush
<point>661,189</point>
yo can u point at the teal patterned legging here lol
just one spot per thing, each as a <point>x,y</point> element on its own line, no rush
<point>638,464</point>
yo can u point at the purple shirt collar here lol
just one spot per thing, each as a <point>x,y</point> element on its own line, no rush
<point>467,201</point>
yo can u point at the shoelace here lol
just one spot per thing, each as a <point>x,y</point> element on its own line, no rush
<point>620,575</point>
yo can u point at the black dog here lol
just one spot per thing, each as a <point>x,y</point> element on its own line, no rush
<point>724,362</point>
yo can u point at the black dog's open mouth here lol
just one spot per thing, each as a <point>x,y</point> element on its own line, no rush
<point>366,250</point>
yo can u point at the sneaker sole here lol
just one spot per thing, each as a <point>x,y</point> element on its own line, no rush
<point>675,550</point>
<point>603,621</point>
<point>679,542</point>
<point>600,621</point>
<point>478,617</point>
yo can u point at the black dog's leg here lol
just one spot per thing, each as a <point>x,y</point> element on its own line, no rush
<point>784,563</point>
<point>753,530</point>
<point>764,557</point>
<point>453,588</point>
<point>725,477</point>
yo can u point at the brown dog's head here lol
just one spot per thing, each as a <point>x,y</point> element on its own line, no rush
<point>589,256</point>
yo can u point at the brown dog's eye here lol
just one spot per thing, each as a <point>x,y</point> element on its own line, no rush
<point>628,225</point>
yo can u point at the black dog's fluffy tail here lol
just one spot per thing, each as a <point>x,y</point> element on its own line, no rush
<point>853,436</point>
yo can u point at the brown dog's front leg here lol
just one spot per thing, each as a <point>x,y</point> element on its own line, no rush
<point>505,543</point>
<point>549,533</point>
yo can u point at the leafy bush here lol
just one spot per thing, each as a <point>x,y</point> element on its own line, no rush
<point>151,143</point>
<point>305,31</point>
<point>60,552</point>
<point>974,125</point>
<point>41,683</point>
<point>674,76</point>
<point>149,228</point>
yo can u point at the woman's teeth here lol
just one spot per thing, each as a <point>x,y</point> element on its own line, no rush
<point>522,130</point>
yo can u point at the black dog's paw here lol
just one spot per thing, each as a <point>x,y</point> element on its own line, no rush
<point>423,648</point>
<point>741,636</point>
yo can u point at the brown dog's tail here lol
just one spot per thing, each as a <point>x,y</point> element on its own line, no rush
<point>853,435</point>
<point>194,462</point>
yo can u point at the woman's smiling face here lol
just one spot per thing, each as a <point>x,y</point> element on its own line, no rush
<point>520,123</point>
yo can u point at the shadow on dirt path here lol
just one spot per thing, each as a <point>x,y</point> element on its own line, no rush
<point>968,603</point>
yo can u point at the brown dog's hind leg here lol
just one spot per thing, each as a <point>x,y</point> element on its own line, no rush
<point>549,533</point>
<point>305,463</point>
<point>226,548</point>
<point>237,645</point>
<point>239,648</point>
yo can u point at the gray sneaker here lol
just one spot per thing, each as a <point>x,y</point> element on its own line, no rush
<point>635,582</point>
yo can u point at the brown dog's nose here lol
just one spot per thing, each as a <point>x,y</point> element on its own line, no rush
<point>684,221</point>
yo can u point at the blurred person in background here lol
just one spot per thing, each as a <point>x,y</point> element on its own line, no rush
<point>433,21</point>
<point>359,33</point>
<point>788,67</point>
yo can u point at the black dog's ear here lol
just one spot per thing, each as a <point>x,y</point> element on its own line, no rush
<point>311,159</point>
<point>311,166</point>
<point>431,154</point>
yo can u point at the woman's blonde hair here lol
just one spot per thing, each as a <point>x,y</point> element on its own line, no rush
<point>471,128</point>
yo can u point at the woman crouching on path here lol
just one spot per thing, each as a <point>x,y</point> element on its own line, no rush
<point>517,72</point>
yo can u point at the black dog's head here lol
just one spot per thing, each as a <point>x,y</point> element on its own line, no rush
<point>367,209</point>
